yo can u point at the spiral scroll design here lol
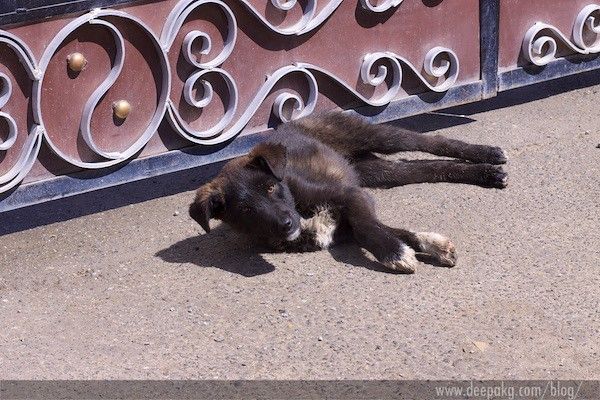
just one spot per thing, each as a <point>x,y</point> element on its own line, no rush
<point>182,127</point>
<point>305,24</point>
<point>97,17</point>
<point>438,73</point>
<point>175,21</point>
<point>540,44</point>
<point>586,29</point>
<point>31,145</point>
<point>439,63</point>
<point>300,108</point>
<point>310,19</point>
<point>384,6</point>
<point>174,24</point>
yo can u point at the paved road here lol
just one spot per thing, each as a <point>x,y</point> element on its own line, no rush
<point>135,292</point>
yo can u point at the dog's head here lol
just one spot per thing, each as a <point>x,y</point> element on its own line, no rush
<point>251,196</point>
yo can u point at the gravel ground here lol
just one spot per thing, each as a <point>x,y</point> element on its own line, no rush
<point>135,291</point>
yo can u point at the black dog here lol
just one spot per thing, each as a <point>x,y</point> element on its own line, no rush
<point>301,189</point>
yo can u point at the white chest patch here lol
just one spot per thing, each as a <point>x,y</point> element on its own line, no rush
<point>322,225</point>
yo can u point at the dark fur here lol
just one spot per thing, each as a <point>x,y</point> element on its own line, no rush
<point>324,161</point>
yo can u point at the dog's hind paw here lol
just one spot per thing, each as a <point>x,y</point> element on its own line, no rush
<point>497,156</point>
<point>494,176</point>
<point>406,263</point>
<point>437,248</point>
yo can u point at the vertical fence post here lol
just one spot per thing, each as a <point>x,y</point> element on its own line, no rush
<point>489,23</point>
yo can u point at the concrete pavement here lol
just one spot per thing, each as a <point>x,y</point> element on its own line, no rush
<point>135,292</point>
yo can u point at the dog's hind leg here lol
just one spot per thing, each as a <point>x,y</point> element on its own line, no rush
<point>353,137</point>
<point>376,172</point>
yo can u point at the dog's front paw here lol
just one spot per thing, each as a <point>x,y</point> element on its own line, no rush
<point>406,262</point>
<point>321,226</point>
<point>439,248</point>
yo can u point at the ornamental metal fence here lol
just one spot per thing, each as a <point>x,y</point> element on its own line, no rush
<point>97,93</point>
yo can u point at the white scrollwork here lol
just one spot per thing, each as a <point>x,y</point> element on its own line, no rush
<point>5,92</point>
<point>438,73</point>
<point>174,23</point>
<point>288,106</point>
<point>300,109</point>
<point>384,6</point>
<point>439,62</point>
<point>31,146</point>
<point>113,158</point>
<point>540,50</point>
<point>300,27</point>
<point>310,20</point>
<point>92,103</point>
<point>540,47</point>
<point>182,127</point>
<point>586,29</point>
<point>218,133</point>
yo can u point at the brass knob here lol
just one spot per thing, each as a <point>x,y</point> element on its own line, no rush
<point>121,109</point>
<point>76,62</point>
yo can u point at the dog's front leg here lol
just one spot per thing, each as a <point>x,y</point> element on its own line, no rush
<point>431,247</point>
<point>357,210</point>
<point>304,243</point>
<point>372,235</point>
<point>316,233</point>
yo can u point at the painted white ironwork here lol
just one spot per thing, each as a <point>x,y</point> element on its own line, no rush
<point>5,93</point>
<point>31,146</point>
<point>439,62</point>
<point>439,72</point>
<point>113,158</point>
<point>540,45</point>
<point>298,28</point>
<point>586,30</point>
<point>384,6</point>
<point>172,27</point>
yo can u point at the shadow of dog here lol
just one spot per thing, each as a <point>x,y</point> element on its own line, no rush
<point>223,249</point>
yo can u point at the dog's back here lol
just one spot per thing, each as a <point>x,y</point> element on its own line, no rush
<point>310,158</point>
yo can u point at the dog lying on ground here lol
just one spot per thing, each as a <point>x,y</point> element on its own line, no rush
<point>302,189</point>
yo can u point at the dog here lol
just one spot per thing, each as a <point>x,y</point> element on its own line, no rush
<point>303,188</point>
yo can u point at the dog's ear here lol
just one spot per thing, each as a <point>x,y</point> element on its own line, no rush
<point>270,158</point>
<point>209,203</point>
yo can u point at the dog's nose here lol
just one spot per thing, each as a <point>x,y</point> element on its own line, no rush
<point>287,222</point>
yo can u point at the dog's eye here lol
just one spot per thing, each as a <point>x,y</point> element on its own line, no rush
<point>246,209</point>
<point>272,188</point>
